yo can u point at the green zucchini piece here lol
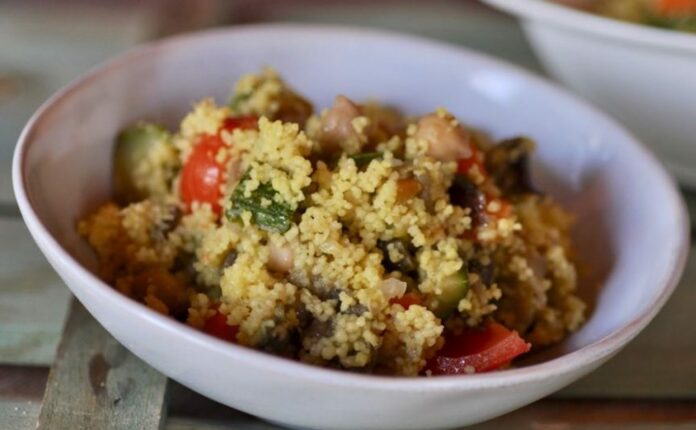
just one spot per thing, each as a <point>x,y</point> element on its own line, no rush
<point>238,99</point>
<point>454,289</point>
<point>145,162</point>
<point>276,216</point>
<point>365,158</point>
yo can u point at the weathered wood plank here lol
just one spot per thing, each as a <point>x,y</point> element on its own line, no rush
<point>543,415</point>
<point>597,415</point>
<point>19,414</point>
<point>189,410</point>
<point>95,383</point>
<point>33,299</point>
<point>43,48</point>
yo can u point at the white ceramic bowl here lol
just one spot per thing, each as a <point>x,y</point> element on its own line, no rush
<point>632,227</point>
<point>643,76</point>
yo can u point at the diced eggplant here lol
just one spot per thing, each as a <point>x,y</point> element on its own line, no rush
<point>466,194</point>
<point>508,162</point>
<point>407,264</point>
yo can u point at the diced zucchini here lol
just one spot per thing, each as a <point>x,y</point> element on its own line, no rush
<point>145,162</point>
<point>238,99</point>
<point>454,289</point>
<point>365,158</point>
<point>274,216</point>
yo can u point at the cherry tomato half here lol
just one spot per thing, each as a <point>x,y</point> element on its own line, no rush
<point>478,350</point>
<point>407,300</point>
<point>464,165</point>
<point>203,174</point>
<point>217,326</point>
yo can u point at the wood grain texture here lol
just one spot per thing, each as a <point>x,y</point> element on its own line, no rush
<point>33,299</point>
<point>543,415</point>
<point>95,383</point>
<point>19,414</point>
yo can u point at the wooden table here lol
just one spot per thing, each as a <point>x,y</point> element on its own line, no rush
<point>60,369</point>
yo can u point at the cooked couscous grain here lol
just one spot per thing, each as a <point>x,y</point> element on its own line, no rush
<point>356,238</point>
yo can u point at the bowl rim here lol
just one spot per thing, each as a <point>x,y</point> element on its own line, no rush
<point>553,13</point>
<point>584,356</point>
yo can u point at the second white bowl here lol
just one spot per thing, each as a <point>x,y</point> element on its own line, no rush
<point>643,76</point>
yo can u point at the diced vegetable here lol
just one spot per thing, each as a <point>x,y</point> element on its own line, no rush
<point>407,188</point>
<point>454,289</point>
<point>238,99</point>
<point>407,300</point>
<point>676,7</point>
<point>145,162</point>
<point>337,124</point>
<point>293,108</point>
<point>240,122</point>
<point>217,326</point>
<point>475,160</point>
<point>478,350</point>
<point>508,163</point>
<point>365,158</point>
<point>392,288</point>
<point>267,212</point>
<point>203,174</point>
<point>498,207</point>
<point>280,258</point>
<point>406,264</point>
<point>466,194</point>
<point>447,139</point>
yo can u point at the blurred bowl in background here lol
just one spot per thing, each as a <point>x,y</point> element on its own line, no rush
<point>643,76</point>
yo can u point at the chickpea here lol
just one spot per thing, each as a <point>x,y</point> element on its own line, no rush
<point>280,258</point>
<point>447,140</point>
<point>337,123</point>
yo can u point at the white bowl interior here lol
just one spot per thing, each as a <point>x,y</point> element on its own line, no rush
<point>613,187</point>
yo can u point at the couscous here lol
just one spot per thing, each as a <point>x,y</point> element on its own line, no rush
<point>355,238</point>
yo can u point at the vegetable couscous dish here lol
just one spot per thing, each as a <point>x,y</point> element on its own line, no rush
<point>355,238</point>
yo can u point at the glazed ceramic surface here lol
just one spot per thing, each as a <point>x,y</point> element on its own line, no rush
<point>631,225</point>
<point>641,75</point>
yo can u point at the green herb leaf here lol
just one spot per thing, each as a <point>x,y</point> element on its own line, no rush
<point>365,158</point>
<point>275,217</point>
<point>238,99</point>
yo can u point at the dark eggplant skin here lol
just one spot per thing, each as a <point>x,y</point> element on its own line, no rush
<point>508,163</point>
<point>466,194</point>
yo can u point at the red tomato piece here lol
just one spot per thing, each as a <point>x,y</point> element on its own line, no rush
<point>241,122</point>
<point>203,175</point>
<point>470,235</point>
<point>676,7</point>
<point>504,207</point>
<point>464,165</point>
<point>407,300</point>
<point>479,350</point>
<point>217,326</point>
